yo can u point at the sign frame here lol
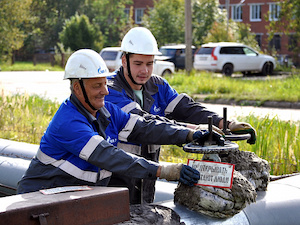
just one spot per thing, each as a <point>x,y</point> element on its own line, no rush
<point>213,173</point>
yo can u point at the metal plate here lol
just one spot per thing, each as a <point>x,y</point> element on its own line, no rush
<point>211,149</point>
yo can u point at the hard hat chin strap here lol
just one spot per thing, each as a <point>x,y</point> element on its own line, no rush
<point>129,71</point>
<point>85,95</point>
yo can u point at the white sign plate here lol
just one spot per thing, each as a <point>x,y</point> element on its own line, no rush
<point>57,190</point>
<point>215,174</point>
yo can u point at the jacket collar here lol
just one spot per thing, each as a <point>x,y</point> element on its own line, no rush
<point>148,89</point>
<point>100,123</point>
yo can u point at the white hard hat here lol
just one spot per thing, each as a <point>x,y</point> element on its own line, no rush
<point>85,63</point>
<point>140,40</point>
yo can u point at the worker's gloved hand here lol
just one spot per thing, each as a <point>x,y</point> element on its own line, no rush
<point>201,136</point>
<point>179,172</point>
<point>243,128</point>
<point>189,176</point>
<point>214,128</point>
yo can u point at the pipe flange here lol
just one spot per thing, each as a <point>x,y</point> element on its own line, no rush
<point>210,149</point>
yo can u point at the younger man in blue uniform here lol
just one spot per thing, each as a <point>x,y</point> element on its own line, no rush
<point>136,90</point>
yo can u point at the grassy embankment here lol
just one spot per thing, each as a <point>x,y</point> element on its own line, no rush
<point>24,118</point>
<point>28,66</point>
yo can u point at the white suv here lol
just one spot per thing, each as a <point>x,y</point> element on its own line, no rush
<point>229,57</point>
<point>112,57</point>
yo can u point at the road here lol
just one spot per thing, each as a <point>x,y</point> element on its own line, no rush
<point>51,85</point>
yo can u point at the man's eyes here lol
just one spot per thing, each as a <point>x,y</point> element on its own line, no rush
<point>99,86</point>
<point>148,64</point>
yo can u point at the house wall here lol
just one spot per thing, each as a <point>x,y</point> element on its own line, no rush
<point>140,5</point>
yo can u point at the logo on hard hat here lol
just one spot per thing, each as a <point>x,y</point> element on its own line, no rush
<point>101,71</point>
<point>81,66</point>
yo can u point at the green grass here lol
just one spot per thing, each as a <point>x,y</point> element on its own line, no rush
<point>25,118</point>
<point>28,66</point>
<point>214,87</point>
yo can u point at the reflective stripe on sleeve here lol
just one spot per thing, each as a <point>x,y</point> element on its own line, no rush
<point>133,105</point>
<point>47,159</point>
<point>134,149</point>
<point>71,169</point>
<point>90,146</point>
<point>171,106</point>
<point>125,132</point>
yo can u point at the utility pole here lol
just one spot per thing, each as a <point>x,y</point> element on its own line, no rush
<point>227,11</point>
<point>188,37</point>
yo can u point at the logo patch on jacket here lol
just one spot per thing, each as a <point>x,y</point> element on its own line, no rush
<point>112,140</point>
<point>156,109</point>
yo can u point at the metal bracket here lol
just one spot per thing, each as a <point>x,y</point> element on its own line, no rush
<point>41,217</point>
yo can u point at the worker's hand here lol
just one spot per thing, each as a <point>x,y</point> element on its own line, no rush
<point>214,128</point>
<point>201,136</point>
<point>243,128</point>
<point>179,172</point>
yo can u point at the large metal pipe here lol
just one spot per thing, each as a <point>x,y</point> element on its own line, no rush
<point>278,205</point>
<point>15,158</point>
<point>15,149</point>
<point>12,170</point>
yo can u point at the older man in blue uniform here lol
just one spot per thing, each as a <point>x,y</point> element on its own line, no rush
<point>78,147</point>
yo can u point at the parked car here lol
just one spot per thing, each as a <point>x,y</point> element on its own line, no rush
<point>112,57</point>
<point>175,54</point>
<point>230,57</point>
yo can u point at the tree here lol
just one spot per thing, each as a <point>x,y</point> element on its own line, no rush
<point>166,21</point>
<point>245,36</point>
<point>236,32</point>
<point>48,17</point>
<point>14,15</point>
<point>110,17</point>
<point>205,13</point>
<point>79,33</point>
<point>288,23</point>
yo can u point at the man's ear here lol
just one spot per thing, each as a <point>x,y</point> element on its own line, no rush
<point>77,88</point>
<point>124,62</point>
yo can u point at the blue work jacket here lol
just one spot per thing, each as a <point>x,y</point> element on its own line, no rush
<point>79,149</point>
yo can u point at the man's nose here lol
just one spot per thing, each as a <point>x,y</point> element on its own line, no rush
<point>145,69</point>
<point>104,90</point>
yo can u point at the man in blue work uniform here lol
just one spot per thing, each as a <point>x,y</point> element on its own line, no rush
<point>136,90</point>
<point>78,145</point>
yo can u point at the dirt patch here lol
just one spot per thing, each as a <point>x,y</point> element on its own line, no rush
<point>255,169</point>
<point>217,202</point>
<point>146,214</point>
<point>251,174</point>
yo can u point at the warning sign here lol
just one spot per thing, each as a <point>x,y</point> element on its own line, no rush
<point>214,174</point>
